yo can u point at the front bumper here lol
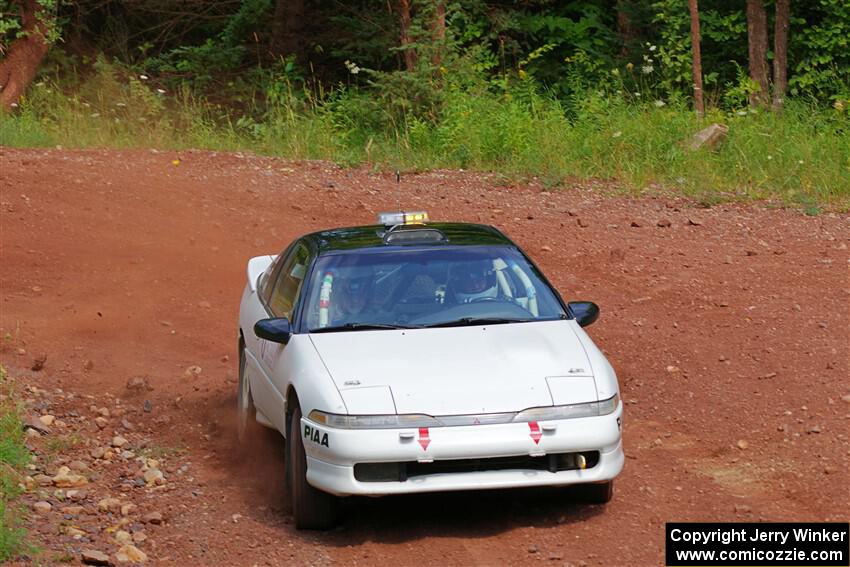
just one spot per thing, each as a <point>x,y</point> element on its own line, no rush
<point>332,454</point>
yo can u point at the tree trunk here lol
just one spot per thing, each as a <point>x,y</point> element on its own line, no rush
<point>405,39</point>
<point>288,28</point>
<point>757,40</point>
<point>18,68</point>
<point>699,106</point>
<point>780,52</point>
<point>438,32</point>
<point>624,27</point>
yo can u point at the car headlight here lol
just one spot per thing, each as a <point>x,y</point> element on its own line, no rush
<point>372,421</point>
<point>390,421</point>
<point>589,409</point>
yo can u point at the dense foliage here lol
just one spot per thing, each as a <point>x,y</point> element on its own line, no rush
<point>233,48</point>
<point>554,89</point>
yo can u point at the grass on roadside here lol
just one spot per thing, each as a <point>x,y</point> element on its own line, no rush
<point>800,157</point>
<point>13,456</point>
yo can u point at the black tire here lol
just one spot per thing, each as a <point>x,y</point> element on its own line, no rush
<point>597,493</point>
<point>287,463</point>
<point>245,410</point>
<point>312,509</point>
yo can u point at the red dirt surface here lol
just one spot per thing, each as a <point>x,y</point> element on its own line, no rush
<point>728,328</point>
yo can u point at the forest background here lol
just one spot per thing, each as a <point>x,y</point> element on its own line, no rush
<point>557,90</point>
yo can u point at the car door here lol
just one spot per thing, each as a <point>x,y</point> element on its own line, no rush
<point>253,309</point>
<point>281,302</point>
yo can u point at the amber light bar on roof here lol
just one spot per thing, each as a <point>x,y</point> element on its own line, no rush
<point>402,217</point>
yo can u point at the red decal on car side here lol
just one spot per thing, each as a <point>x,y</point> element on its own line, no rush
<point>424,440</point>
<point>535,432</point>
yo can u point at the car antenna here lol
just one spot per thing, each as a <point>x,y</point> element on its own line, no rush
<point>398,188</point>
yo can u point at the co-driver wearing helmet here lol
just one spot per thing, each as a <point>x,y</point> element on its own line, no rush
<point>352,293</point>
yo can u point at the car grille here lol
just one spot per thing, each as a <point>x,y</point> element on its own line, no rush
<point>401,471</point>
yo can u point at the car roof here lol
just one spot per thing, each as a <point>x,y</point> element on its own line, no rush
<point>372,236</point>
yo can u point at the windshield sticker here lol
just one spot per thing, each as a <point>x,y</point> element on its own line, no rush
<point>325,298</point>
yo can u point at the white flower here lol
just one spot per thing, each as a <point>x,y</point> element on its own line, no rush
<point>143,77</point>
<point>160,91</point>
<point>647,69</point>
<point>14,105</point>
<point>616,134</point>
<point>637,93</point>
<point>800,162</point>
<point>659,103</point>
<point>652,47</point>
<point>741,113</point>
<point>352,67</point>
<point>769,157</point>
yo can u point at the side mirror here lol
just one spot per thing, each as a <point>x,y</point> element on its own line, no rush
<point>275,330</point>
<point>584,312</point>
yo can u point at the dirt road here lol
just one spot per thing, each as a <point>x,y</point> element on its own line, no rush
<point>728,328</point>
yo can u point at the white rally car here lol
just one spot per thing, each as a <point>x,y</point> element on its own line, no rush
<point>416,357</point>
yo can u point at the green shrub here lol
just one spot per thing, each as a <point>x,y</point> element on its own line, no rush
<point>13,457</point>
<point>512,127</point>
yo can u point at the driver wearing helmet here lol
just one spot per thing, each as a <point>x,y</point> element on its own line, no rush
<point>352,293</point>
<point>474,281</point>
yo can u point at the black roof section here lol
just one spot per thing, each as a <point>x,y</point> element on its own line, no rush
<point>372,236</point>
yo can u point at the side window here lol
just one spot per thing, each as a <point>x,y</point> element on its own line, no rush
<point>289,282</point>
<point>268,277</point>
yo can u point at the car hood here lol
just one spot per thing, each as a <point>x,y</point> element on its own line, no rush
<point>458,370</point>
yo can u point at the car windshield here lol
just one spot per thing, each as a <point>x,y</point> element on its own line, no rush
<point>427,288</point>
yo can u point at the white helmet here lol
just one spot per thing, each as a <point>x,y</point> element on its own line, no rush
<point>474,280</point>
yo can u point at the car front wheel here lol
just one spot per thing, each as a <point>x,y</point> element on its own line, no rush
<point>244,403</point>
<point>312,509</point>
